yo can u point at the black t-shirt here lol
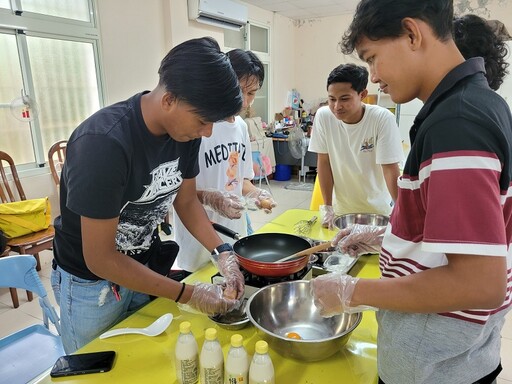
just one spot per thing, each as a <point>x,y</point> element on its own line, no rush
<point>116,167</point>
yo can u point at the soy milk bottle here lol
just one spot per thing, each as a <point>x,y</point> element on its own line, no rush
<point>261,370</point>
<point>211,359</point>
<point>186,356</point>
<point>237,362</point>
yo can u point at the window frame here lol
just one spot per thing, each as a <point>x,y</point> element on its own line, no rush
<point>265,57</point>
<point>50,27</point>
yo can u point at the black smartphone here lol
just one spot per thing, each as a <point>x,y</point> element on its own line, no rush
<point>83,363</point>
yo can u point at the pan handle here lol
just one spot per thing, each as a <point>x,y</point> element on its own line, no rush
<point>226,231</point>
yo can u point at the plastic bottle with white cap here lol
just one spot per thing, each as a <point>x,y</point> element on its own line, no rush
<point>237,362</point>
<point>261,370</point>
<point>186,356</point>
<point>211,359</point>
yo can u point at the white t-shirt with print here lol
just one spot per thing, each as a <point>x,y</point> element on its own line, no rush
<point>225,160</point>
<point>356,152</point>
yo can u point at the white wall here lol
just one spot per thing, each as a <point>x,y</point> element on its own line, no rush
<point>136,35</point>
<point>318,54</point>
<point>284,63</point>
<point>133,41</point>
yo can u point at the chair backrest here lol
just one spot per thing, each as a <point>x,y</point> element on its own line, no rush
<point>6,192</point>
<point>56,157</point>
<point>19,271</point>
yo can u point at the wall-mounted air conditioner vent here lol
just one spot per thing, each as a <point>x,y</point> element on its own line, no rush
<point>220,13</point>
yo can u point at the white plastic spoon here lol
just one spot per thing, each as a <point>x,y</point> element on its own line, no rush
<point>154,329</point>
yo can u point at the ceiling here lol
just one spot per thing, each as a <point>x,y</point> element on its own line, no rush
<point>311,9</point>
<point>306,9</point>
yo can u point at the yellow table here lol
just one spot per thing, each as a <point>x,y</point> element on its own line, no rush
<point>142,359</point>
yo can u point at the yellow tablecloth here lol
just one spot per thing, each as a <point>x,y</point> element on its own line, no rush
<point>142,359</point>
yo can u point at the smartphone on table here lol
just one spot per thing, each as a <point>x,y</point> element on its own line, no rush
<point>83,363</point>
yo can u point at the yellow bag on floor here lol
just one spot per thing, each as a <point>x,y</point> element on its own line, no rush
<point>24,217</point>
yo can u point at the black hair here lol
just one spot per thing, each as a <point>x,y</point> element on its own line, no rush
<point>246,64</point>
<point>475,37</point>
<point>198,73</point>
<point>379,19</point>
<point>356,75</point>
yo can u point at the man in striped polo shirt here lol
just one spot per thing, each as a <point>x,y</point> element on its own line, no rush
<point>445,259</point>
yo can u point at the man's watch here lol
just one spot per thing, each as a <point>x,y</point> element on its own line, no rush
<point>226,247</point>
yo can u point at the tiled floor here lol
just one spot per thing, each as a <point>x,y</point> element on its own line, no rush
<point>29,312</point>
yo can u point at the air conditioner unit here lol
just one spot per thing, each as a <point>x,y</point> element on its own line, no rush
<point>220,13</point>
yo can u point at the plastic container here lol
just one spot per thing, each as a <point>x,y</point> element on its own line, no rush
<point>237,362</point>
<point>211,359</point>
<point>339,262</point>
<point>186,356</point>
<point>261,370</point>
<point>283,172</point>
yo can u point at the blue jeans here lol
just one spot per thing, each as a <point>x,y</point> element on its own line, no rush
<point>89,307</point>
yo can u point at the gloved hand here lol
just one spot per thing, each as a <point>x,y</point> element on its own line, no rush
<point>262,199</point>
<point>328,216</point>
<point>224,203</point>
<point>358,239</point>
<point>227,264</point>
<point>209,299</point>
<point>333,292</point>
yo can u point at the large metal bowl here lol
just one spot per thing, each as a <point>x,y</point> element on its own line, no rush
<point>287,307</point>
<point>344,221</point>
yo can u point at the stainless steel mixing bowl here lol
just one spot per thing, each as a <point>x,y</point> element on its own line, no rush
<point>344,221</point>
<point>281,308</point>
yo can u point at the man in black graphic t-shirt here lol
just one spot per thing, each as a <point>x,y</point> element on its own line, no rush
<point>125,166</point>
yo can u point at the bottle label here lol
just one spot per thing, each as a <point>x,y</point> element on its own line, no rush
<point>188,371</point>
<point>213,375</point>
<point>236,379</point>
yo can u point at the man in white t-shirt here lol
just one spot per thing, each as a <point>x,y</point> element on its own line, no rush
<point>359,148</point>
<point>226,171</point>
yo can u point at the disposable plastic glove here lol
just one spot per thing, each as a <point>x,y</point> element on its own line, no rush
<point>209,299</point>
<point>224,203</point>
<point>227,264</point>
<point>328,216</point>
<point>359,239</point>
<point>262,199</point>
<point>333,292</point>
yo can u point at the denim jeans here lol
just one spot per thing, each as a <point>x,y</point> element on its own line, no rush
<point>89,307</point>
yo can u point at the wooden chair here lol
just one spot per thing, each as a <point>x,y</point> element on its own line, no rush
<point>32,243</point>
<point>56,157</point>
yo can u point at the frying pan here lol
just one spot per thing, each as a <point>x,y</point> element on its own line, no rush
<point>257,253</point>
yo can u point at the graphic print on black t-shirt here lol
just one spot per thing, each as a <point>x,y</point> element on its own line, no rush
<point>138,219</point>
